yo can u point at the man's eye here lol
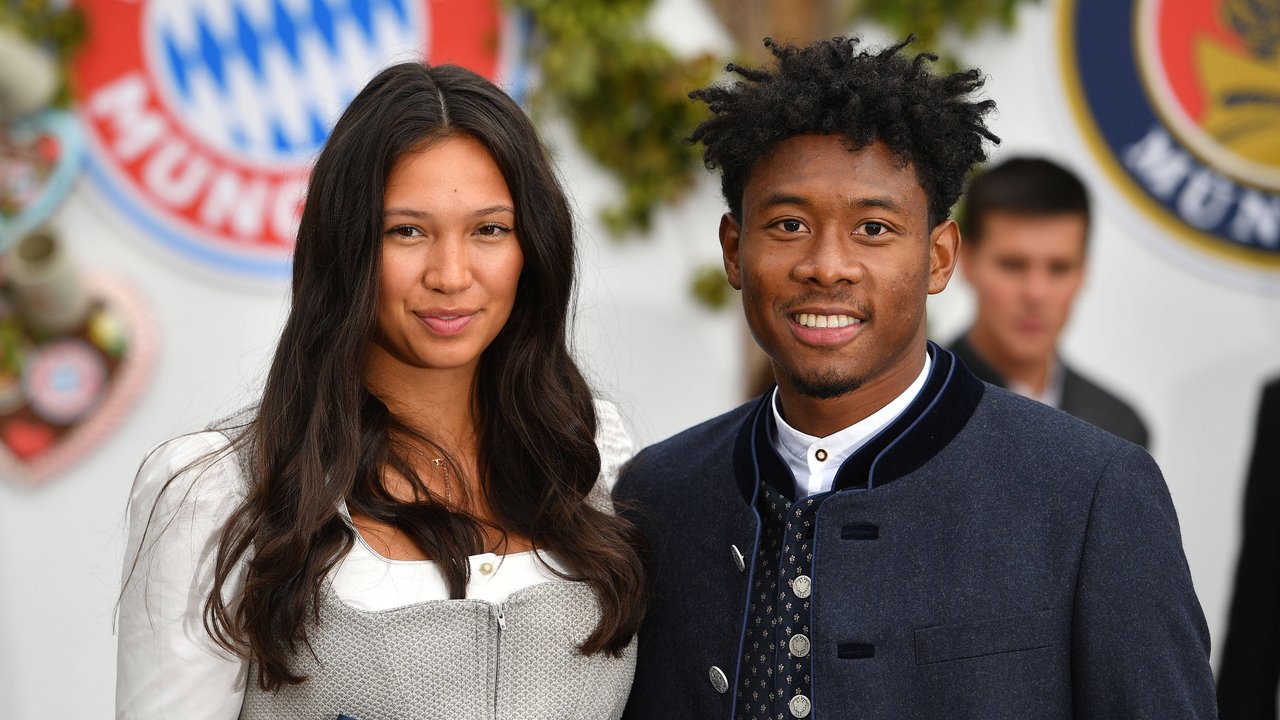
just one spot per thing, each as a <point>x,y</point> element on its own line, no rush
<point>873,228</point>
<point>791,225</point>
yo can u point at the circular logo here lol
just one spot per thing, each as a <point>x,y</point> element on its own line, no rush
<point>1179,101</point>
<point>64,380</point>
<point>204,116</point>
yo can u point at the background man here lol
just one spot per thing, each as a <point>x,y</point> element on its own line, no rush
<point>884,535</point>
<point>1026,227</point>
<point>1249,678</point>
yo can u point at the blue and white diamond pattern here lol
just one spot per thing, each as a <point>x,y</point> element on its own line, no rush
<point>264,80</point>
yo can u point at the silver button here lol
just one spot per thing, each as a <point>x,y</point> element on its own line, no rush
<point>802,586</point>
<point>821,455</point>
<point>737,558</point>
<point>799,706</point>
<point>718,680</point>
<point>798,645</point>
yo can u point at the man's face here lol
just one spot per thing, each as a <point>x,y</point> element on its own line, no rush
<point>835,258</point>
<point>1025,272</point>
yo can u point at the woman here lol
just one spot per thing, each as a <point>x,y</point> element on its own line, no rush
<point>411,523</point>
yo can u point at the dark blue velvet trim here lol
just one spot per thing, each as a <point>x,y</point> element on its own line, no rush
<point>947,401</point>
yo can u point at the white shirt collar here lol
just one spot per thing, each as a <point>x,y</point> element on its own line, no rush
<point>814,461</point>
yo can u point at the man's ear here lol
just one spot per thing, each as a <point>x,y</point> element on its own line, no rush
<point>944,250</point>
<point>730,241</point>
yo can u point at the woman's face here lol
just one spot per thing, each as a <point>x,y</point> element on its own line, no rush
<point>450,259</point>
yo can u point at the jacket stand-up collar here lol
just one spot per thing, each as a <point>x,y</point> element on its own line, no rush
<point>933,419</point>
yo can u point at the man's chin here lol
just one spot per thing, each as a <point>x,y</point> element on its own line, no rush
<point>824,387</point>
<point>1030,353</point>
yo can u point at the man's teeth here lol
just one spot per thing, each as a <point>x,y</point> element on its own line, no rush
<point>825,321</point>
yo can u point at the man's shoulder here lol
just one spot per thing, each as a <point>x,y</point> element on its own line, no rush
<point>1093,403</point>
<point>1034,456</point>
<point>1013,422</point>
<point>961,348</point>
<point>708,443</point>
<point>1271,393</point>
<point>701,438</point>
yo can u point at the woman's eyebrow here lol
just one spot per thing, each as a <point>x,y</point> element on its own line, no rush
<point>425,214</point>
<point>494,210</point>
<point>409,212</point>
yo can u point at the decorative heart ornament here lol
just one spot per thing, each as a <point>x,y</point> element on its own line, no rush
<point>39,160</point>
<point>62,393</point>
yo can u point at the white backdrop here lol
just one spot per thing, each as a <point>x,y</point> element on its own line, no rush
<point>1190,352</point>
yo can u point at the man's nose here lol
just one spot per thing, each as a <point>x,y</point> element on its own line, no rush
<point>1037,285</point>
<point>831,259</point>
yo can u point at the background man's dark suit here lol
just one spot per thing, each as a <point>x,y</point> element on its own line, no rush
<point>1080,397</point>
<point>1250,673</point>
<point>1000,560</point>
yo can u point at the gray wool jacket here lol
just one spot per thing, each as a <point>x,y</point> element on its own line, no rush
<point>1025,565</point>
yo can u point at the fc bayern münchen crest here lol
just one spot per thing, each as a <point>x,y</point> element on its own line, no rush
<point>204,116</point>
<point>1179,101</point>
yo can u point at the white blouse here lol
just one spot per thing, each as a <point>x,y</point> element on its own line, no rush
<point>168,666</point>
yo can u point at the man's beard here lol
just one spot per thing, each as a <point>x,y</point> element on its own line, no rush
<point>824,385</point>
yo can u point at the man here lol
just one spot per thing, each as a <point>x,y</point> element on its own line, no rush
<point>1026,225</point>
<point>884,535</point>
<point>1250,673</point>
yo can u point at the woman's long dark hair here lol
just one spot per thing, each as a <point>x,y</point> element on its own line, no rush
<point>320,437</point>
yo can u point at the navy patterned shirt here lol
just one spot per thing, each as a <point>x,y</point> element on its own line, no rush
<point>775,675</point>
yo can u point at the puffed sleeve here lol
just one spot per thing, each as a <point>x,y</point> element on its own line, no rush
<point>167,665</point>
<point>1140,643</point>
<point>616,446</point>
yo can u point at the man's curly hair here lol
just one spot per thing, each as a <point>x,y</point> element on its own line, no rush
<point>832,87</point>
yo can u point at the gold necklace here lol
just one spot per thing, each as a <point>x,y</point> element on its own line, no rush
<point>444,473</point>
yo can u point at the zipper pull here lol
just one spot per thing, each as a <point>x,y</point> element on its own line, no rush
<point>502,619</point>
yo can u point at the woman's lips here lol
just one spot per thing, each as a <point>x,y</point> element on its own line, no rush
<point>447,324</point>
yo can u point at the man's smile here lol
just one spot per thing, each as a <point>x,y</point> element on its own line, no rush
<point>824,329</point>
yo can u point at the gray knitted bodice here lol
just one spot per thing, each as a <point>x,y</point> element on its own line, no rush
<point>454,660</point>
<point>449,659</point>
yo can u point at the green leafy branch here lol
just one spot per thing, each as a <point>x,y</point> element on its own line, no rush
<point>625,94</point>
<point>52,25</point>
<point>928,19</point>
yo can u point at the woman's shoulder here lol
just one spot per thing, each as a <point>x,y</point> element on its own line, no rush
<point>199,468</point>
<point>615,444</point>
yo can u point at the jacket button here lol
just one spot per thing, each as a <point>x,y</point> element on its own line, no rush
<point>802,586</point>
<point>737,558</point>
<point>798,645</point>
<point>718,680</point>
<point>799,706</point>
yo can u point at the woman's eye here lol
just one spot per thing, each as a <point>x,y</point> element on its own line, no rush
<point>493,230</point>
<point>404,231</point>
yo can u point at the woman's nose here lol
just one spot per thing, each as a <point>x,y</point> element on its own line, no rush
<point>448,267</point>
